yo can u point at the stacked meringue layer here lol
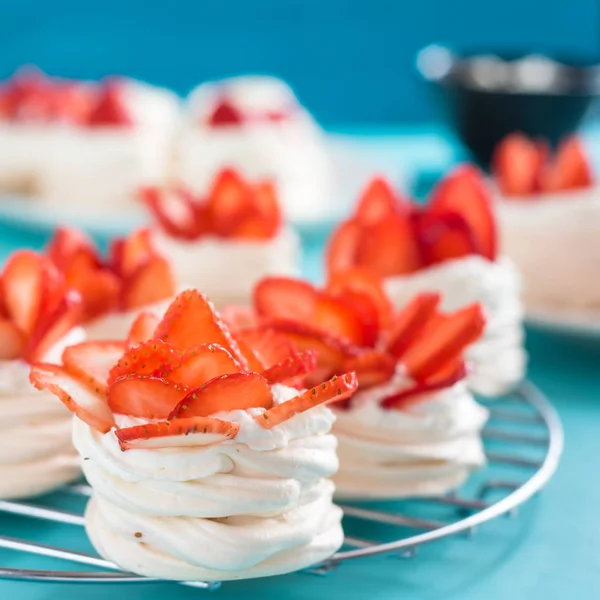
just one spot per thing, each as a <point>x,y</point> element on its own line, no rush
<point>254,506</point>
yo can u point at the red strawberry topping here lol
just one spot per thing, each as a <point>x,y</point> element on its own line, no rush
<point>292,367</point>
<point>200,364</point>
<point>153,357</point>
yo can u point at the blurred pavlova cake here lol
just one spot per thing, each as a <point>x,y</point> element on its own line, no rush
<point>256,125</point>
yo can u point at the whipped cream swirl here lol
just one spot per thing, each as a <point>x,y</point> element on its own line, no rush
<point>498,358</point>
<point>257,505</point>
<point>426,449</point>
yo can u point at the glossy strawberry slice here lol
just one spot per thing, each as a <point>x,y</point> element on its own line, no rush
<point>338,388</point>
<point>379,201</point>
<point>142,329</point>
<point>145,396</point>
<point>110,108</point>
<point>269,347</point>
<point>443,342</point>
<point>390,247</point>
<point>517,164</point>
<point>225,114</point>
<point>446,237</point>
<point>200,364</point>
<point>418,392</point>
<point>66,243</point>
<point>196,431</point>
<point>464,192</point>
<point>173,210</point>
<point>12,340</point>
<point>372,368</point>
<point>152,282</point>
<point>91,363</point>
<point>255,364</point>
<point>265,219</point>
<point>22,288</point>
<point>229,202</point>
<point>339,318</point>
<point>238,318</point>
<point>238,391</point>
<point>285,298</point>
<point>53,326</point>
<point>89,407</point>
<point>410,322</point>
<point>152,357</point>
<point>342,249</point>
<point>134,252</point>
<point>569,170</point>
<point>293,367</point>
<point>367,314</point>
<point>191,320</point>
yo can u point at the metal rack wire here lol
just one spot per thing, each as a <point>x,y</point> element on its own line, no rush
<point>524,422</point>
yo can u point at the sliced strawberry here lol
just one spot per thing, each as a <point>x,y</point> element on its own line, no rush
<point>54,287</point>
<point>446,237</point>
<point>191,320</point>
<point>463,191</point>
<point>368,316</point>
<point>200,364</point>
<point>238,318</point>
<point>134,253</point>
<point>292,367</point>
<point>336,389</point>
<point>342,249</point>
<point>238,391</point>
<point>378,201</point>
<point>443,342</point>
<point>268,347</point>
<point>516,165</point>
<point>152,357</point>
<point>142,329</point>
<point>172,210</point>
<point>22,288</point>
<point>390,247</point>
<point>335,316</point>
<point>362,281</point>
<point>265,219</point>
<point>418,392</point>
<point>372,368</point>
<point>144,396</point>
<point>89,407</point>
<point>410,322</point>
<point>12,340</point>
<point>152,282</point>
<point>285,298</point>
<point>229,202</point>
<point>255,364</point>
<point>66,243</point>
<point>53,326</point>
<point>569,170</point>
<point>110,108</point>
<point>91,363</point>
<point>226,114</point>
<point>196,431</point>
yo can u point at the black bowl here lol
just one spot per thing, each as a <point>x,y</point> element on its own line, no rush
<point>487,97</point>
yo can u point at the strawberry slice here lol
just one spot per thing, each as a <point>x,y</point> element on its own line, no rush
<point>255,364</point>
<point>191,320</point>
<point>336,389</point>
<point>463,191</point>
<point>516,165</point>
<point>89,407</point>
<point>142,329</point>
<point>225,114</point>
<point>390,247</point>
<point>91,363</point>
<point>418,392</point>
<point>362,281</point>
<point>134,252</point>
<point>337,317</point>
<point>372,368</point>
<point>67,243</point>
<point>229,202</point>
<point>268,347</point>
<point>367,314</point>
<point>292,367</point>
<point>152,357</point>
<point>285,298</point>
<point>22,288</point>
<point>110,109</point>
<point>144,396</point>
<point>237,391</point>
<point>173,210</point>
<point>569,170</point>
<point>265,220</point>
<point>180,433</point>
<point>410,322</point>
<point>379,201</point>
<point>53,326</point>
<point>12,340</point>
<point>443,341</point>
<point>446,237</point>
<point>152,282</point>
<point>238,318</point>
<point>200,364</point>
<point>342,249</point>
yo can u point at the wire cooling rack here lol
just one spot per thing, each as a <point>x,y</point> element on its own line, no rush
<point>523,439</point>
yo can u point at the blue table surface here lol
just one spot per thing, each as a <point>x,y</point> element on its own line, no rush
<point>549,551</point>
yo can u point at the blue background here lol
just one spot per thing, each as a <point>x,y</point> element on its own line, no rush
<point>351,61</point>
